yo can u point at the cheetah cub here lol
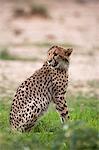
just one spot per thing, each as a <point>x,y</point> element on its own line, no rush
<point>47,84</point>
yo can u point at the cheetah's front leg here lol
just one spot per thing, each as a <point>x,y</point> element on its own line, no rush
<point>61,107</point>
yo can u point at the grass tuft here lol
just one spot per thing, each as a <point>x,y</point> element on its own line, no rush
<point>32,10</point>
<point>39,10</point>
<point>5,55</point>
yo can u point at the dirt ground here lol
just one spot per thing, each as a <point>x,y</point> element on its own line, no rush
<point>70,23</point>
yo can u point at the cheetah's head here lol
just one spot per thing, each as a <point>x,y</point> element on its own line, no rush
<point>59,57</point>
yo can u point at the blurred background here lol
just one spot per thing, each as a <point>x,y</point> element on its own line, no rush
<point>29,27</point>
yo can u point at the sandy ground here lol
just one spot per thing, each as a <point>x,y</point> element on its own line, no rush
<point>69,22</point>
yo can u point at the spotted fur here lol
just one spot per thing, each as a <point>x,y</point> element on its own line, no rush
<point>47,84</point>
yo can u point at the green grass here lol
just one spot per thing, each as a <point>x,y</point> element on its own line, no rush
<point>5,55</point>
<point>79,133</point>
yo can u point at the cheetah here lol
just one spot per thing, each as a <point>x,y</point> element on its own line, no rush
<point>46,85</point>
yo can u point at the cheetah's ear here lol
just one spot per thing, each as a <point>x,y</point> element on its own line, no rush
<point>68,51</point>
